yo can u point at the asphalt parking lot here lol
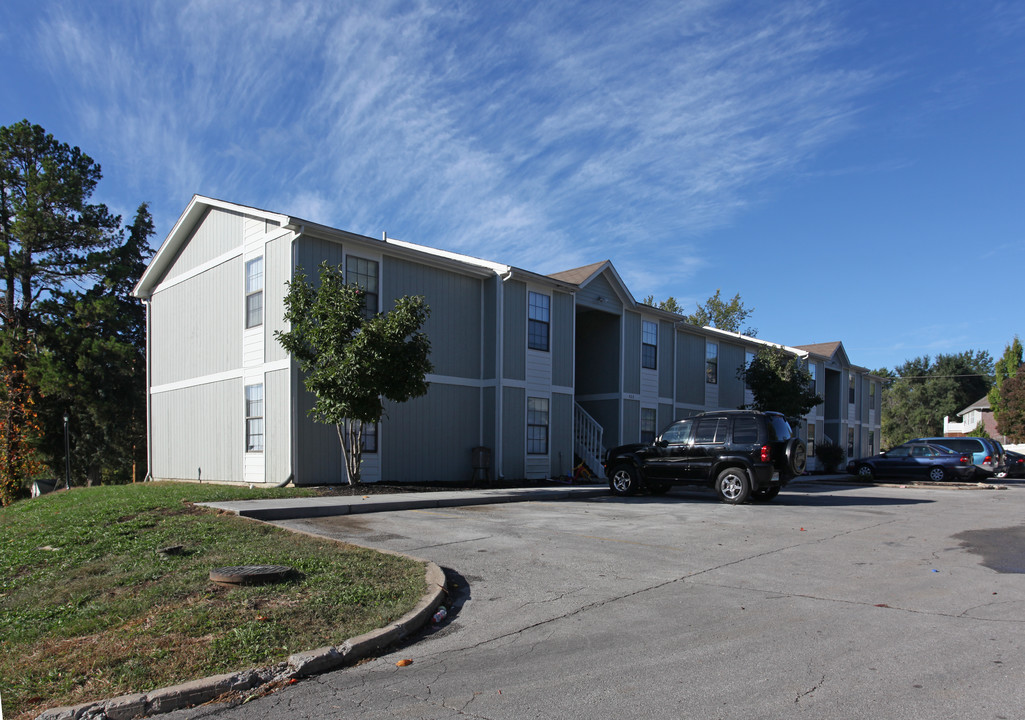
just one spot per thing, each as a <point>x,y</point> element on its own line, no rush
<point>834,601</point>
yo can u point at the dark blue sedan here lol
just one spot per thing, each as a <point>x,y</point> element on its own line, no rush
<point>915,460</point>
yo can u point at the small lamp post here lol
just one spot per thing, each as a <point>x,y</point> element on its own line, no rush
<point>67,455</point>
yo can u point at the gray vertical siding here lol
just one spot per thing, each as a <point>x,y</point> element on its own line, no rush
<point>597,354</point>
<point>514,337</point>
<point>690,368</point>
<point>561,434</point>
<point>489,436</point>
<point>219,232</point>
<point>277,426</point>
<point>562,339</point>
<point>606,412</point>
<point>665,416</point>
<point>631,353</point>
<point>196,325</point>
<point>599,293</point>
<point>514,432</point>
<point>490,323</point>
<point>666,360</point>
<point>731,388</point>
<point>199,428</point>
<point>277,271</point>
<point>311,251</point>
<point>430,438</point>
<point>318,454</point>
<point>455,321</point>
<point>631,421</point>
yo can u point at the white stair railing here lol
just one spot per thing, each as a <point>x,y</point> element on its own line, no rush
<point>587,440</point>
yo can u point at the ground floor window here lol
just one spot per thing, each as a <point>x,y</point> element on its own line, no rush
<point>871,442</point>
<point>711,363</point>
<point>648,425</point>
<point>254,418</point>
<point>537,426</point>
<point>811,440</point>
<point>369,441</point>
<point>850,443</point>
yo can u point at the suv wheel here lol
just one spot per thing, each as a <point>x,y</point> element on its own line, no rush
<point>733,486</point>
<point>624,480</point>
<point>797,456</point>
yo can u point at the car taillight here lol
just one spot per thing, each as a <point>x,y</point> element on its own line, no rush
<point>965,459</point>
<point>766,453</point>
<point>989,458</point>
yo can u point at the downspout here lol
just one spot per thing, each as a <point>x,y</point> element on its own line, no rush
<point>293,384</point>
<point>500,370</point>
<point>149,408</point>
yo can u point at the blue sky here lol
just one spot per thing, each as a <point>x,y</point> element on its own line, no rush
<point>855,170</point>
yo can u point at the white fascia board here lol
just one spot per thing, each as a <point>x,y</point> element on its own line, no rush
<point>180,232</point>
<point>726,334</point>
<point>389,247</point>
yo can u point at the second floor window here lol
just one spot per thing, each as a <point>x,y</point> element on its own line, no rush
<point>850,392</point>
<point>649,345</point>
<point>254,292</point>
<point>363,274</point>
<point>538,321</point>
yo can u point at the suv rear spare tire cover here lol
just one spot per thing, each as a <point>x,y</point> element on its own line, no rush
<point>797,456</point>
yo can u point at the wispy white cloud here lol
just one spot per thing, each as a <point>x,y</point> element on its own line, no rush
<point>537,134</point>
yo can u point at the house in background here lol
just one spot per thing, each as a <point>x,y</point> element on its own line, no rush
<point>979,412</point>
<point>538,369</point>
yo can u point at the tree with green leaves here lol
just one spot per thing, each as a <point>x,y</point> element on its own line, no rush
<point>1006,367</point>
<point>352,362</point>
<point>923,391</point>
<point>723,315</point>
<point>715,312</point>
<point>1012,419</point>
<point>670,304</point>
<point>48,232</point>
<point>780,381</point>
<point>92,364</point>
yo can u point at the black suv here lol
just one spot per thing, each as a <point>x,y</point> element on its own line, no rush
<point>743,454</point>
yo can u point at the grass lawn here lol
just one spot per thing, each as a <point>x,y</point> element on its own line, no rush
<point>90,609</point>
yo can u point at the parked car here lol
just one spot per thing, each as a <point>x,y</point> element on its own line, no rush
<point>742,454</point>
<point>916,459</point>
<point>1014,466</point>
<point>987,454</point>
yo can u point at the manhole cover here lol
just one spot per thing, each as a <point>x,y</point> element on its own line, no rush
<point>250,574</point>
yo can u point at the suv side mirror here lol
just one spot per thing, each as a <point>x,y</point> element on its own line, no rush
<point>661,443</point>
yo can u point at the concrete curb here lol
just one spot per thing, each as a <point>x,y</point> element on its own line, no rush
<point>299,508</point>
<point>298,665</point>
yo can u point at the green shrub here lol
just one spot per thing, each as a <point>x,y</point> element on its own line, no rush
<point>831,456</point>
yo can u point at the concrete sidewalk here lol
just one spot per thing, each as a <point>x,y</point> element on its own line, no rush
<point>296,508</point>
<point>311,507</point>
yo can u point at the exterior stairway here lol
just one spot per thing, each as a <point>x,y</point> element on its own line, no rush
<point>587,440</point>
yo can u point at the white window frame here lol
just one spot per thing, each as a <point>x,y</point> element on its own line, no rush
<point>541,418</point>
<point>711,362</point>
<point>254,418</point>
<point>361,280</point>
<point>254,292</point>
<point>649,339</point>
<point>539,308</point>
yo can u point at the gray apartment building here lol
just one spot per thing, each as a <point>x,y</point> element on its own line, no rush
<point>537,369</point>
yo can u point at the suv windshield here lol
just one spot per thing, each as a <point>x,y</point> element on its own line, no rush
<point>780,427</point>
